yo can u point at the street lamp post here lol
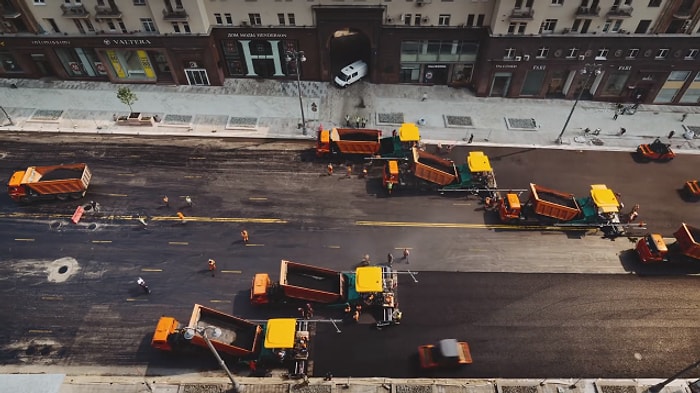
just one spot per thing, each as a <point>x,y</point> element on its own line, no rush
<point>298,57</point>
<point>6,115</point>
<point>591,70</point>
<point>202,331</point>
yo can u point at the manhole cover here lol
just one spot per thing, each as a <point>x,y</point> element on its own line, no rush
<point>458,121</point>
<point>390,118</point>
<point>521,123</point>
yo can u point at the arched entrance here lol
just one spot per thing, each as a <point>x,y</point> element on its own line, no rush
<point>347,46</point>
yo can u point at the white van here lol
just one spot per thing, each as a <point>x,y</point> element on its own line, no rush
<point>351,73</point>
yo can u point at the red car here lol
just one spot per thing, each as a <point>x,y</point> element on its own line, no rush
<point>656,151</point>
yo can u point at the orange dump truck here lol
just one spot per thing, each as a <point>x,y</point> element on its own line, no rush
<point>543,202</point>
<point>432,168</point>
<point>299,282</point>
<point>47,182</point>
<point>352,141</point>
<point>238,337</point>
<point>652,248</point>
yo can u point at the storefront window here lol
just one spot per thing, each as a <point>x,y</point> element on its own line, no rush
<point>410,50</point>
<point>263,58</point>
<point>533,83</point>
<point>691,96</point>
<point>430,52</point>
<point>81,62</point>
<point>615,83</point>
<point>666,95</point>
<point>467,51</point>
<point>462,73</point>
<point>128,64</point>
<point>410,73</point>
<point>437,58</point>
<point>8,64</point>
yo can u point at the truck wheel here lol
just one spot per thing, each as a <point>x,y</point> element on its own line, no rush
<point>62,197</point>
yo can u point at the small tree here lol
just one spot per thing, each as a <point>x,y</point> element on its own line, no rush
<point>127,97</point>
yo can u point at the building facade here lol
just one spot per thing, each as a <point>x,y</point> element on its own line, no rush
<point>645,51</point>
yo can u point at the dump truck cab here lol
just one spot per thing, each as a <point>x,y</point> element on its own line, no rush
<point>162,337</point>
<point>323,143</point>
<point>260,289</point>
<point>656,151</point>
<point>445,353</point>
<point>652,249</point>
<point>509,208</point>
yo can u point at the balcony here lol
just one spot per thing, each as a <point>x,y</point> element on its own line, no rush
<point>589,12</point>
<point>107,12</point>
<point>682,13</point>
<point>76,11</point>
<point>178,14</point>
<point>522,14</point>
<point>620,12</point>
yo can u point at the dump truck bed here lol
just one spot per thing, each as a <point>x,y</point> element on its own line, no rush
<point>432,168</point>
<point>686,236</point>
<point>555,204</point>
<point>56,179</point>
<point>356,141</point>
<point>311,283</point>
<point>239,337</point>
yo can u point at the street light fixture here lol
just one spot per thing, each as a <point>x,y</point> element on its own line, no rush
<point>298,57</point>
<point>189,333</point>
<point>591,70</point>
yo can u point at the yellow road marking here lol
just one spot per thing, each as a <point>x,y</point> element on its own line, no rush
<point>131,299</point>
<point>251,220</point>
<point>463,225</point>
<point>403,248</point>
<point>146,269</point>
<point>39,331</point>
<point>254,245</point>
<point>127,174</point>
<point>108,194</point>
<point>232,271</point>
<point>257,199</point>
<point>101,241</point>
<point>198,158</point>
<point>332,246</point>
<point>219,301</point>
<point>24,240</point>
<point>192,176</point>
<point>178,243</point>
<point>461,204</point>
<point>52,297</point>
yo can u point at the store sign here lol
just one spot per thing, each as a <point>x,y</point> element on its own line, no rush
<point>506,66</point>
<point>139,42</point>
<point>257,35</point>
<point>437,66</point>
<point>624,68</point>
<point>539,67</point>
<point>51,42</point>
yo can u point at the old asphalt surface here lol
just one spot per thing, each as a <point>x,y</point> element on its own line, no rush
<point>268,109</point>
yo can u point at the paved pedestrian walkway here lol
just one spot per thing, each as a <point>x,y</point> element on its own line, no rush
<point>271,109</point>
<point>61,383</point>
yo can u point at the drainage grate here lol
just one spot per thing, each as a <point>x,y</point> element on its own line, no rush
<point>46,115</point>
<point>390,118</point>
<point>458,121</point>
<point>202,388</point>
<point>177,120</point>
<point>518,389</point>
<point>617,389</point>
<point>413,388</point>
<point>521,124</point>
<point>242,122</point>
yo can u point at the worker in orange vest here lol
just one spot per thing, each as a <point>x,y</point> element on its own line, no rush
<point>212,266</point>
<point>330,169</point>
<point>244,236</point>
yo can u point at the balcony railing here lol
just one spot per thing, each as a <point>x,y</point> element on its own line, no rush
<point>176,14</point>
<point>522,13</point>
<point>106,12</point>
<point>74,11</point>
<point>682,13</point>
<point>620,12</point>
<point>588,11</point>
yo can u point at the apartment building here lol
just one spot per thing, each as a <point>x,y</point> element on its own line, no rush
<point>646,51</point>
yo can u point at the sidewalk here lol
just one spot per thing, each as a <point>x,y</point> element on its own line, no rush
<point>270,109</point>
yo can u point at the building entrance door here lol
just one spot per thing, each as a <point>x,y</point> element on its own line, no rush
<point>500,84</point>
<point>43,65</point>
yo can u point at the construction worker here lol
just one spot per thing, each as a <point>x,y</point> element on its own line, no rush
<point>389,259</point>
<point>364,172</point>
<point>389,187</point>
<point>188,200</point>
<point>309,311</point>
<point>356,316</point>
<point>244,236</point>
<point>212,266</point>
<point>166,201</point>
<point>302,312</point>
<point>181,217</point>
<point>634,213</point>
<point>330,169</point>
<point>406,253</point>
<point>349,171</point>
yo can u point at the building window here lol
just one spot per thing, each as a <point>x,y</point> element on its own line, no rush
<point>186,27</point>
<point>122,26</point>
<point>642,26</point>
<point>691,54</point>
<point>616,83</point>
<point>280,19</point>
<point>443,20</point>
<point>111,26</point>
<point>602,54</point>
<point>548,26</point>
<point>533,83</point>
<point>661,54</point>
<point>39,2</point>
<point>511,27</point>
<point>218,19</point>
<point>617,25</point>
<point>480,20</point>
<point>79,26</point>
<point>229,19</point>
<point>139,2</point>
<point>292,19</point>
<point>632,53</point>
<point>407,19</point>
<point>416,19</point>
<point>255,19</point>
<point>176,27</point>
<point>573,52</point>
<point>510,54</point>
<point>542,52</point>
<point>470,20</point>
<point>54,26</point>
<point>148,25</point>
<point>678,76</point>
<point>557,2</point>
<point>654,3</point>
